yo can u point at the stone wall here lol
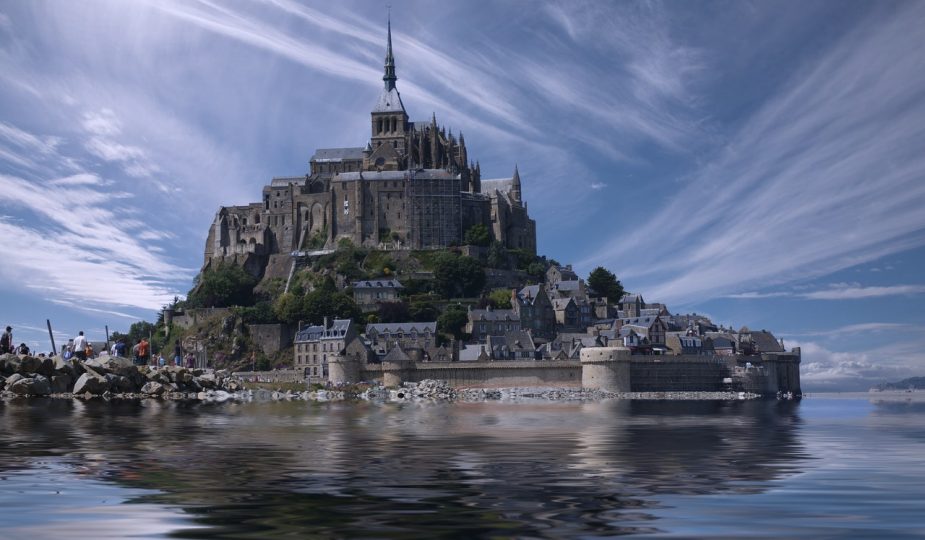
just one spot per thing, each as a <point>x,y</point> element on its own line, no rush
<point>766,374</point>
<point>682,373</point>
<point>192,316</point>
<point>274,376</point>
<point>544,373</point>
<point>271,338</point>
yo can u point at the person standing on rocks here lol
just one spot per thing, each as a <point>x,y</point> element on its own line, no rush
<point>141,352</point>
<point>80,346</point>
<point>120,347</point>
<point>178,354</point>
<point>6,341</point>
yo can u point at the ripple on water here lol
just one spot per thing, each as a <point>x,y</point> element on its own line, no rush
<point>545,470</point>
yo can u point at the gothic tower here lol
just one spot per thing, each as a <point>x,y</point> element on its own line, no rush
<point>389,122</point>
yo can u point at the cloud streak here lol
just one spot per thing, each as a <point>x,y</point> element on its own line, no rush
<point>838,291</point>
<point>826,175</point>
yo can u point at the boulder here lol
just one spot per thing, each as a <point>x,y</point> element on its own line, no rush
<point>13,378</point>
<point>2,382</point>
<point>153,389</point>
<point>47,367</point>
<point>10,363</point>
<point>29,364</point>
<point>120,384</point>
<point>61,384</point>
<point>92,383</point>
<point>207,380</point>
<point>31,386</point>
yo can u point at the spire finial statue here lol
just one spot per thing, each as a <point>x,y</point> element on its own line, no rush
<point>389,76</point>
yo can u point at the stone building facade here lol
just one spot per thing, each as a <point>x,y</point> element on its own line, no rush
<point>315,346</point>
<point>412,186</point>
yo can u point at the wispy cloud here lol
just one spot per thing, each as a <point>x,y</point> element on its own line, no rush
<point>837,291</point>
<point>75,248</point>
<point>853,292</point>
<point>598,185</point>
<point>826,175</point>
<point>860,328</point>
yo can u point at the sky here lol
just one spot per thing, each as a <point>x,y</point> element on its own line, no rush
<point>761,163</point>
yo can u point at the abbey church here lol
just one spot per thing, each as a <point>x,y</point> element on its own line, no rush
<point>412,186</point>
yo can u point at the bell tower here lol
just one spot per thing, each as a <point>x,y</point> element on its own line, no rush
<point>388,141</point>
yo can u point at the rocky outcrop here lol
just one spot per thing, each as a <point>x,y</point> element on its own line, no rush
<point>41,376</point>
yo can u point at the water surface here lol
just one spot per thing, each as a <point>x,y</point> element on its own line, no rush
<point>765,469</point>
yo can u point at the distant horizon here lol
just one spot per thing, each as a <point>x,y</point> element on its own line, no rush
<point>757,164</point>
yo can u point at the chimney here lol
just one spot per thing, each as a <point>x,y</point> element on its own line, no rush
<point>326,323</point>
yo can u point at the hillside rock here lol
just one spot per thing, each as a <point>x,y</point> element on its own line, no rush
<point>92,383</point>
<point>31,386</point>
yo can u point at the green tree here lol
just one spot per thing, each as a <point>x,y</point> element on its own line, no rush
<point>323,302</point>
<point>288,308</point>
<point>605,283</point>
<point>223,286</point>
<point>138,330</point>
<point>422,311</point>
<point>456,276</point>
<point>394,312</point>
<point>477,235</point>
<point>497,256</point>
<point>500,298</point>
<point>260,313</point>
<point>452,321</point>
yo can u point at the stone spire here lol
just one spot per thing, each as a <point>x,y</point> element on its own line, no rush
<point>515,185</point>
<point>389,76</point>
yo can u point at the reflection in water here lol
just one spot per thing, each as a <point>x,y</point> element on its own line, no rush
<point>411,470</point>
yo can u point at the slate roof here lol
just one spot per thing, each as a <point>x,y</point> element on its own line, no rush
<point>529,293</point>
<point>562,303</point>
<point>500,184</point>
<point>469,353</point>
<point>397,354</point>
<point>765,341</point>
<point>389,101</point>
<point>284,181</point>
<point>338,154</point>
<point>337,330</point>
<point>403,328</point>
<point>567,285</point>
<point>493,315</point>
<point>377,284</point>
<point>373,176</point>
<point>516,342</point>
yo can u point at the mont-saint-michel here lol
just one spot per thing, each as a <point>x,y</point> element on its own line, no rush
<point>544,270</point>
<point>421,225</point>
<point>394,263</point>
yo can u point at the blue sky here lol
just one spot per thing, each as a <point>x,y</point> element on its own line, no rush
<point>762,163</point>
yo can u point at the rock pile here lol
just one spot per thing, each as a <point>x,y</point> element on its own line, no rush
<point>34,376</point>
<point>426,389</point>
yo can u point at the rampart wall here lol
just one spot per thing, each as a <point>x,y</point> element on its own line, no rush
<point>765,374</point>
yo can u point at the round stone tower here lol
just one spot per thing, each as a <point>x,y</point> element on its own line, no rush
<point>343,368</point>
<point>605,368</point>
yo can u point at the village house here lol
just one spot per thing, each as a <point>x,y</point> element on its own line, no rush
<point>382,337</point>
<point>315,345</point>
<point>516,345</point>
<point>491,322</point>
<point>369,293</point>
<point>684,343</point>
<point>556,273</point>
<point>533,307</point>
<point>655,328</point>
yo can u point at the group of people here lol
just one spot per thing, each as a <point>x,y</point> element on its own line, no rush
<point>7,343</point>
<point>81,349</point>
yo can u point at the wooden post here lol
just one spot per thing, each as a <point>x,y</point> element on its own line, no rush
<point>51,336</point>
<point>107,336</point>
